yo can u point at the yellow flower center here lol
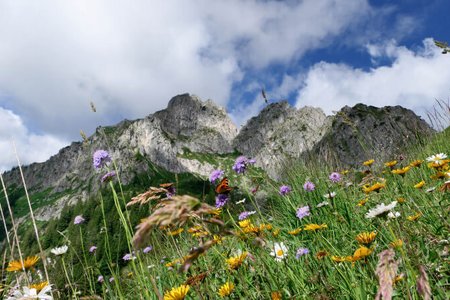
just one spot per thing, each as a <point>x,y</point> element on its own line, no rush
<point>280,252</point>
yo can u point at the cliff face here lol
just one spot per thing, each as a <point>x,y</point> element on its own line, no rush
<point>278,134</point>
<point>281,132</point>
<point>362,132</point>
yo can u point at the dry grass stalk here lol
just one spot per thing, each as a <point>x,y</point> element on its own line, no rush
<point>176,212</point>
<point>423,286</point>
<point>386,272</point>
<point>33,220</point>
<point>153,193</point>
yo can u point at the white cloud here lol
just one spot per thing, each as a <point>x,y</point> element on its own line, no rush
<point>131,58</point>
<point>30,147</point>
<point>415,79</point>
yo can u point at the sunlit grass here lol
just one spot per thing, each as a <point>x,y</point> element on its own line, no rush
<point>327,250</point>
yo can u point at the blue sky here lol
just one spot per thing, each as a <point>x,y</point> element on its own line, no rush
<point>131,59</point>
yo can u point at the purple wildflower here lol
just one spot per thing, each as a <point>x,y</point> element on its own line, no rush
<point>111,279</point>
<point>147,249</point>
<point>303,212</point>
<point>92,249</point>
<point>128,256</point>
<point>335,177</point>
<point>241,163</point>
<point>216,174</point>
<point>78,220</point>
<point>100,158</point>
<point>245,214</point>
<point>108,176</point>
<point>100,279</point>
<point>221,200</point>
<point>171,191</point>
<point>284,190</point>
<point>301,252</point>
<point>309,186</point>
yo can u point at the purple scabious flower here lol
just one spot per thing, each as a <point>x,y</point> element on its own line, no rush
<point>147,249</point>
<point>100,279</point>
<point>78,220</point>
<point>128,256</point>
<point>284,190</point>
<point>221,200</point>
<point>302,212</point>
<point>335,177</point>
<point>100,158</point>
<point>92,249</point>
<point>245,214</point>
<point>216,174</point>
<point>108,176</point>
<point>301,252</point>
<point>171,191</point>
<point>309,186</point>
<point>241,163</point>
<point>111,279</point>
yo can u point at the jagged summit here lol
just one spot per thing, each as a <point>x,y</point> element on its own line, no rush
<point>190,121</point>
<point>278,134</point>
<point>281,132</point>
<point>361,132</point>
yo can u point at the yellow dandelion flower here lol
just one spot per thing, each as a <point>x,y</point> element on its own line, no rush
<point>275,295</point>
<point>416,163</point>
<point>420,184</point>
<point>321,254</point>
<point>251,229</point>
<point>17,265</point>
<point>401,171</point>
<point>276,232</point>
<point>398,278</point>
<point>226,289</point>
<point>374,188</point>
<point>438,165</point>
<point>369,162</point>
<point>414,217</point>
<point>265,227</point>
<point>362,202</point>
<point>39,286</point>
<point>361,252</point>
<point>176,232</point>
<point>439,175</point>
<point>396,244</point>
<point>216,212</point>
<point>217,239</point>
<point>314,227</point>
<point>401,200</point>
<point>195,229</point>
<point>390,164</point>
<point>245,223</point>
<point>177,293</point>
<point>295,231</point>
<point>338,258</point>
<point>366,238</point>
<point>236,261</point>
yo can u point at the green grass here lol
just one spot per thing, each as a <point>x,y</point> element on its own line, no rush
<point>425,239</point>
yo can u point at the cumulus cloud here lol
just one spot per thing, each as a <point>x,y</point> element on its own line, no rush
<point>130,59</point>
<point>414,79</point>
<point>30,147</point>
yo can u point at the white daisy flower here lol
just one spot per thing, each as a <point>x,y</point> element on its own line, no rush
<point>380,210</point>
<point>32,294</point>
<point>330,195</point>
<point>280,251</point>
<point>322,204</point>
<point>437,157</point>
<point>59,250</point>
<point>393,215</point>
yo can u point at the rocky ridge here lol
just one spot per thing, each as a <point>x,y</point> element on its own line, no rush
<point>278,134</point>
